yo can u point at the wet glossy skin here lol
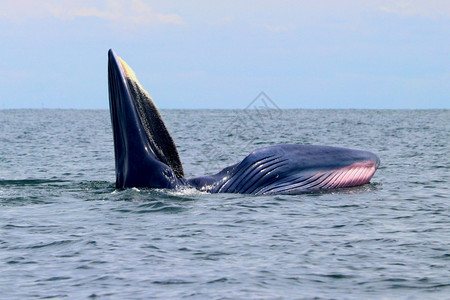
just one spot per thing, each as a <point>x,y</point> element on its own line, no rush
<point>291,169</point>
<point>146,155</point>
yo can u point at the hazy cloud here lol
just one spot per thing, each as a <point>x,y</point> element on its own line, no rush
<point>126,12</point>
<point>428,9</point>
<point>274,13</point>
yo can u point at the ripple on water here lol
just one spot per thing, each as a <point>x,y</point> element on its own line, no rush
<point>66,232</point>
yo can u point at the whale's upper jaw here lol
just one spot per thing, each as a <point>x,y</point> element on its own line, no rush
<point>145,154</point>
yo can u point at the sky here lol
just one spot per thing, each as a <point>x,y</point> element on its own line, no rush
<point>369,54</point>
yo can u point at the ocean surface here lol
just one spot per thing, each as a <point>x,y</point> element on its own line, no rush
<point>66,232</point>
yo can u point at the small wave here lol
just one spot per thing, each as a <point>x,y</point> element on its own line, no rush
<point>51,244</point>
<point>157,206</point>
<point>218,280</point>
<point>172,281</point>
<point>185,192</point>
<point>55,278</point>
<point>22,182</point>
<point>336,276</point>
<point>12,226</point>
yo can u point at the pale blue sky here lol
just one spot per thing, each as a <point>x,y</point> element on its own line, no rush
<point>221,54</point>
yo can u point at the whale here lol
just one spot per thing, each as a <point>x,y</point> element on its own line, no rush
<point>146,155</point>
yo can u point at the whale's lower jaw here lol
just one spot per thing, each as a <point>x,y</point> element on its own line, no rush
<point>292,169</point>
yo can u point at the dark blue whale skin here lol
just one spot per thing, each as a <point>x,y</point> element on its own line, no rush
<point>146,156</point>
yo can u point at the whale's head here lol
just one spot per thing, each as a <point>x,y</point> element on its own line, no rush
<point>145,153</point>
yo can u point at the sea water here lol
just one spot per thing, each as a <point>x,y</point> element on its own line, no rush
<point>66,232</point>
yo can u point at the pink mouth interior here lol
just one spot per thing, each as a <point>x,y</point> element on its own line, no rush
<point>356,174</point>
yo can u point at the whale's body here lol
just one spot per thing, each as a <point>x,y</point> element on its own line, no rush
<point>146,155</point>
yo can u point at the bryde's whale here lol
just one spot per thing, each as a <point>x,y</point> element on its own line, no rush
<point>146,155</point>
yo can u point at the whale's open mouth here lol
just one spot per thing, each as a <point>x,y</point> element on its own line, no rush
<point>139,131</point>
<point>146,155</point>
